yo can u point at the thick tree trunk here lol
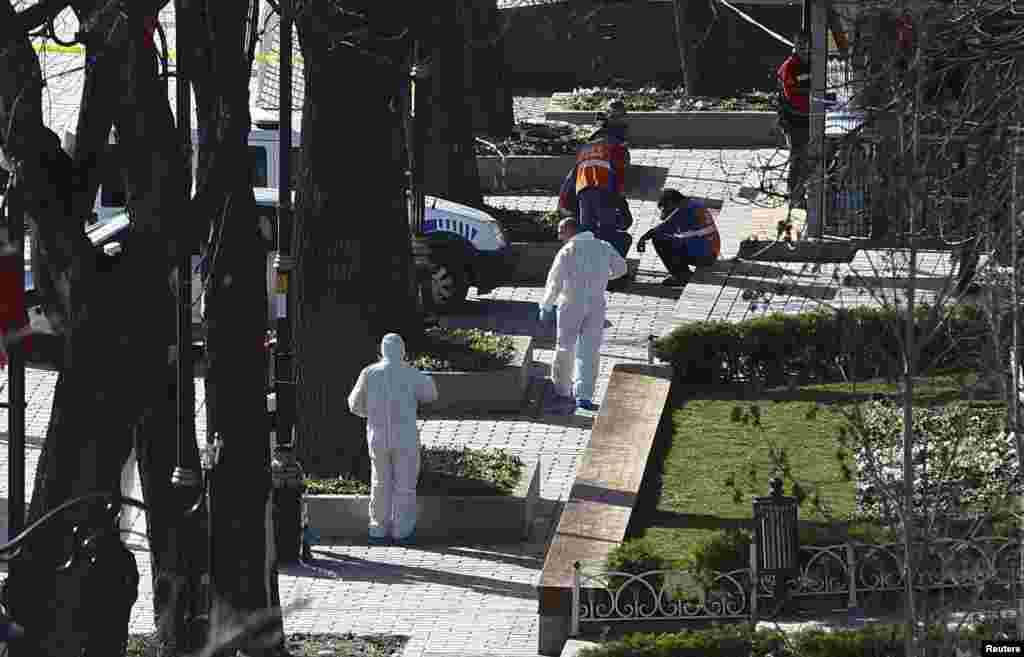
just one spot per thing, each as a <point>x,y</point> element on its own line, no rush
<point>243,577</point>
<point>692,18</point>
<point>111,347</point>
<point>353,280</point>
<point>175,539</point>
<point>450,161</point>
<point>486,88</point>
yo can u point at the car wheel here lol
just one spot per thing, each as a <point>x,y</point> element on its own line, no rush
<point>448,286</point>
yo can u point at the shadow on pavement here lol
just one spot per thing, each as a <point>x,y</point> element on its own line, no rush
<point>358,569</point>
<point>645,182</point>
<point>653,290</point>
<point>777,287</point>
<point>501,316</point>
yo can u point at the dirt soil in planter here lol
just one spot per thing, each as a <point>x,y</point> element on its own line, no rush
<point>537,138</point>
<point>303,645</point>
<point>526,226</point>
<point>462,350</point>
<point>667,100</point>
<point>445,472</point>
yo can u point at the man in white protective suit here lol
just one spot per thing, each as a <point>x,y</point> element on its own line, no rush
<point>577,282</point>
<point>387,394</point>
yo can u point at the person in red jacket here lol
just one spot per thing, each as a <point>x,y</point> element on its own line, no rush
<point>794,78</point>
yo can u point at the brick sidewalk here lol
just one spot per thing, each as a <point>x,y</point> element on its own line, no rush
<point>461,599</point>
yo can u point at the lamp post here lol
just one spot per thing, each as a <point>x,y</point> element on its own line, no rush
<point>16,373</point>
<point>286,472</point>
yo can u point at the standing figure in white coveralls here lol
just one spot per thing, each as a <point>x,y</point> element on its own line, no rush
<point>387,394</point>
<point>577,282</point>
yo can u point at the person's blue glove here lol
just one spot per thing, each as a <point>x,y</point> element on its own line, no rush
<point>547,314</point>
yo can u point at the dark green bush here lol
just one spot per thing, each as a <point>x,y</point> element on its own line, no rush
<point>453,471</point>
<point>858,343</point>
<point>722,552</point>
<point>636,556</point>
<point>870,641</point>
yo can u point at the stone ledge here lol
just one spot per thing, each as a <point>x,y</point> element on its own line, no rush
<point>484,518</point>
<point>601,501</point>
<point>696,129</point>
<point>500,390</point>
<point>531,261</point>
<point>523,171</point>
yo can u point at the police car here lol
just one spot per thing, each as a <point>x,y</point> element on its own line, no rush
<point>467,247</point>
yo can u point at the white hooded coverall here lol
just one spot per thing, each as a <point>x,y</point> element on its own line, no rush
<point>387,394</point>
<point>577,282</point>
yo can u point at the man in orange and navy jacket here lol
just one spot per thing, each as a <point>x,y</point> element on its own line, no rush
<point>794,113</point>
<point>594,190</point>
<point>686,237</point>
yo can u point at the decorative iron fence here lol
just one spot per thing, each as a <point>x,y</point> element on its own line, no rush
<point>986,565</point>
<point>612,596</point>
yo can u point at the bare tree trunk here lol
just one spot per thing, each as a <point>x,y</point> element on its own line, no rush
<point>485,81</point>
<point>110,347</point>
<point>245,611</point>
<point>450,161</point>
<point>353,280</point>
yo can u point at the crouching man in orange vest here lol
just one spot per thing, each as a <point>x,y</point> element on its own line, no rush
<point>686,237</point>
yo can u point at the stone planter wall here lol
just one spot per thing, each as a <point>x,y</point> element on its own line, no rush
<point>491,519</point>
<point>706,129</point>
<point>500,390</point>
<point>523,171</point>
<point>530,262</point>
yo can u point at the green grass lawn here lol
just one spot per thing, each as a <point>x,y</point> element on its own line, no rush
<point>707,446</point>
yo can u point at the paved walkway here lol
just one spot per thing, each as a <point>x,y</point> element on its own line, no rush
<point>473,600</point>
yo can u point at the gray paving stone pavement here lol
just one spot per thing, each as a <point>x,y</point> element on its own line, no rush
<point>463,599</point>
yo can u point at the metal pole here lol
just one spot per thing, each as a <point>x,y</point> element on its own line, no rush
<point>16,378</point>
<point>283,354</point>
<point>186,394</point>
<point>814,185</point>
<point>288,477</point>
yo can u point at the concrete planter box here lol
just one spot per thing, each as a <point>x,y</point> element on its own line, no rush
<point>530,261</point>
<point>491,519</point>
<point>700,129</point>
<point>523,171</point>
<point>500,390</point>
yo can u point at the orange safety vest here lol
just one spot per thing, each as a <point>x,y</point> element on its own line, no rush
<point>601,165</point>
<point>704,230</point>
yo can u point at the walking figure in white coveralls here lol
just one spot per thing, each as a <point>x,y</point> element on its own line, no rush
<point>577,281</point>
<point>388,394</point>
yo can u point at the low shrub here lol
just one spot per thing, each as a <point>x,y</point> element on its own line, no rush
<point>636,556</point>
<point>462,350</point>
<point>738,640</point>
<point>857,343</point>
<point>722,552</point>
<point>453,471</point>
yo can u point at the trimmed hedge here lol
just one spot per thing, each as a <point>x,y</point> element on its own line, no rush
<point>820,345</point>
<point>740,641</point>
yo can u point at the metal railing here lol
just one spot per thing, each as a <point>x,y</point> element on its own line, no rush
<point>853,570</point>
